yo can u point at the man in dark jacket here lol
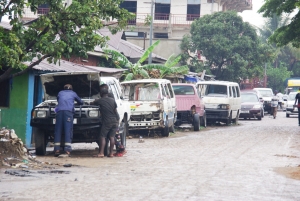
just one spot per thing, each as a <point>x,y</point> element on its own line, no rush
<point>110,120</point>
<point>297,100</point>
<point>64,119</point>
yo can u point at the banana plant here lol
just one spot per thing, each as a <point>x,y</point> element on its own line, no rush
<point>167,69</point>
<point>136,71</point>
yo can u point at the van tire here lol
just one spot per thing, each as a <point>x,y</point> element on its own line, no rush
<point>165,132</point>
<point>236,120</point>
<point>228,121</point>
<point>40,141</point>
<point>125,132</point>
<point>203,120</point>
<point>196,122</point>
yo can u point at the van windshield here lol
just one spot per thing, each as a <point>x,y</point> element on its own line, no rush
<point>142,92</point>
<point>183,90</point>
<point>265,93</point>
<point>212,90</point>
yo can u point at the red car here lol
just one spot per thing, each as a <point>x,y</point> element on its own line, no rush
<point>190,107</point>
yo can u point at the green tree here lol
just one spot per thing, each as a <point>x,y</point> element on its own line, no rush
<point>189,58</point>
<point>286,55</point>
<point>64,32</point>
<point>277,76</point>
<point>231,46</point>
<point>288,33</point>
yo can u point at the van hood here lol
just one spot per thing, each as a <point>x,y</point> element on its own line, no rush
<point>85,84</point>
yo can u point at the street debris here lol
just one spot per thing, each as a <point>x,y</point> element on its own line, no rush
<point>14,154</point>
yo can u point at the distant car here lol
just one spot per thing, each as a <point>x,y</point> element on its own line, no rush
<point>190,107</point>
<point>290,109</point>
<point>267,94</point>
<point>251,106</point>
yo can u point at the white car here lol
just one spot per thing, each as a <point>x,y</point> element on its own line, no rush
<point>290,109</point>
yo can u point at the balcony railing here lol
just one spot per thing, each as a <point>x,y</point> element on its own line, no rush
<point>164,20</point>
<point>159,19</point>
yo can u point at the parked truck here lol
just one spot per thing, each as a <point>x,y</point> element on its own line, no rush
<point>87,117</point>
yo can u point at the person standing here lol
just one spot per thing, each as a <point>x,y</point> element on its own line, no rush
<point>280,96</point>
<point>274,104</point>
<point>297,100</point>
<point>64,119</point>
<point>110,120</point>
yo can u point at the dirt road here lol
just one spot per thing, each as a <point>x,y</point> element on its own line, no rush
<point>256,160</point>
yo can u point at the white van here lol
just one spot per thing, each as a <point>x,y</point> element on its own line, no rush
<point>266,94</point>
<point>222,100</point>
<point>152,104</point>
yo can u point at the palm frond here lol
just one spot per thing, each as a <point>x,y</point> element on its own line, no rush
<point>118,58</point>
<point>147,52</point>
<point>129,77</point>
<point>143,73</point>
<point>172,61</point>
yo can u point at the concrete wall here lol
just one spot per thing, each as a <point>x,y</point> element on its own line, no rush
<point>165,48</point>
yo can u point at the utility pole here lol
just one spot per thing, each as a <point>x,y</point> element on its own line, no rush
<point>151,32</point>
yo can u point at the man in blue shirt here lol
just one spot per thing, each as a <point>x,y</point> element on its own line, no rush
<point>64,119</point>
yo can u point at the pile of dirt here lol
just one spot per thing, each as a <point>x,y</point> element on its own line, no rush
<point>13,153</point>
<point>12,149</point>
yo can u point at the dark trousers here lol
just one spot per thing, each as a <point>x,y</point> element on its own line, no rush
<point>298,116</point>
<point>64,124</point>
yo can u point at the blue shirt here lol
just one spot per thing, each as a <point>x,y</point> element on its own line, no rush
<point>65,99</point>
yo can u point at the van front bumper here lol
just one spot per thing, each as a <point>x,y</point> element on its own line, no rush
<point>216,114</point>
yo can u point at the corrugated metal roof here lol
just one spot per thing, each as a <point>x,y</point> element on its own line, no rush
<point>72,67</point>
<point>5,25</point>
<point>128,49</point>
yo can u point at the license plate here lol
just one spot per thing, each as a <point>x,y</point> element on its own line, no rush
<point>244,111</point>
<point>74,121</point>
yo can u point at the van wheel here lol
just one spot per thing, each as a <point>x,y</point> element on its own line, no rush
<point>228,122</point>
<point>203,121</point>
<point>236,120</point>
<point>165,131</point>
<point>287,115</point>
<point>125,132</point>
<point>196,122</point>
<point>40,141</point>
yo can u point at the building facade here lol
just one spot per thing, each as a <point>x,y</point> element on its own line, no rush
<point>172,19</point>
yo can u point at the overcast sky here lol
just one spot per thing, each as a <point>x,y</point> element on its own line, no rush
<point>252,16</point>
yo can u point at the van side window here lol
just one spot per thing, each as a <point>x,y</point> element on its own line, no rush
<point>114,91</point>
<point>166,90</point>
<point>230,93</point>
<point>170,90</point>
<point>163,90</point>
<point>233,91</point>
<point>237,91</point>
<point>202,89</point>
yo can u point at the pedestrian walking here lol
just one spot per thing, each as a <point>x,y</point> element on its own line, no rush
<point>297,104</point>
<point>64,119</point>
<point>280,96</point>
<point>110,120</point>
<point>274,104</point>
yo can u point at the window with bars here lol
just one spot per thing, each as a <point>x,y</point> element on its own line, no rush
<point>162,9</point>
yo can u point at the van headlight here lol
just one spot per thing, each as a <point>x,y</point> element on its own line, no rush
<point>224,106</point>
<point>256,106</point>
<point>93,113</point>
<point>41,114</point>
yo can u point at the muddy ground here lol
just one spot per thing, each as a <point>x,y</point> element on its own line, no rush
<point>256,160</point>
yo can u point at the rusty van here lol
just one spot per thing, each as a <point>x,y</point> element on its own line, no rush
<point>152,105</point>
